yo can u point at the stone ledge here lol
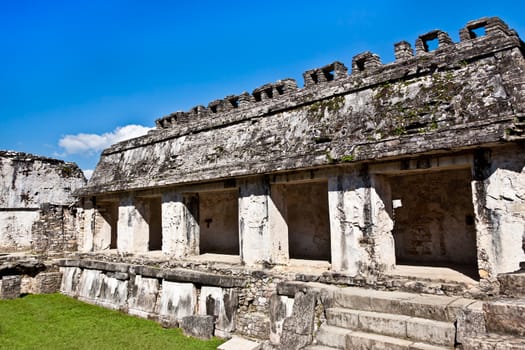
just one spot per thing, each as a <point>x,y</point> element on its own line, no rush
<point>173,275</point>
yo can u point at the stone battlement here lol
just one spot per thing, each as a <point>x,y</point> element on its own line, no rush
<point>475,34</point>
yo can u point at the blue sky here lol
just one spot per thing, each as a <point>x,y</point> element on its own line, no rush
<point>77,75</point>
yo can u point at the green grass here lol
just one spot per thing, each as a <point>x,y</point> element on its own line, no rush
<point>56,322</point>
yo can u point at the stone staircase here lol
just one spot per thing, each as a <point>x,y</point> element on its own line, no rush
<point>504,317</point>
<point>369,319</point>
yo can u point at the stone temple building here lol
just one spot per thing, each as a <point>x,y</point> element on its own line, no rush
<point>381,207</point>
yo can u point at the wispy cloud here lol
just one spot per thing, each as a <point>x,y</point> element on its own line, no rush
<point>94,143</point>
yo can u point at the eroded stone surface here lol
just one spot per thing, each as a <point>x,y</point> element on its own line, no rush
<point>177,300</point>
<point>298,328</point>
<point>35,195</point>
<point>199,326</point>
<point>10,287</point>
<point>222,304</point>
<point>143,296</point>
<point>505,316</point>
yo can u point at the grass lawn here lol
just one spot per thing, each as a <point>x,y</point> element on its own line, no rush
<point>55,321</point>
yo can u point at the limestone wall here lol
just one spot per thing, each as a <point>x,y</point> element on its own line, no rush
<point>35,198</point>
<point>241,301</point>
<point>170,295</point>
<point>27,181</point>
<point>16,229</point>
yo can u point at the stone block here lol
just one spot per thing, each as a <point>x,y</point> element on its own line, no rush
<point>470,322</point>
<point>113,293</point>
<point>427,306</point>
<point>89,285</point>
<point>280,308</point>
<point>387,324</point>
<point>48,282</point>
<point>222,304</point>
<point>177,300</point>
<point>199,326</point>
<point>10,287</point>
<point>304,312</point>
<point>493,341</point>
<point>344,318</point>
<point>334,337</point>
<point>366,341</point>
<point>70,280</point>
<point>238,343</point>
<point>429,331</point>
<point>144,296</point>
<point>290,340</point>
<point>505,316</point>
<point>512,284</point>
<point>298,328</point>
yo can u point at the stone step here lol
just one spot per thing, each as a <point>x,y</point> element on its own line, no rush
<point>512,284</point>
<point>401,326</point>
<point>319,347</point>
<point>331,336</point>
<point>433,307</point>
<point>238,343</point>
<point>367,341</point>
<point>493,341</point>
<point>505,316</point>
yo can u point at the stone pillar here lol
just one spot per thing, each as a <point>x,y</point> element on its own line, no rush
<point>132,227</point>
<point>256,240</point>
<point>278,225</point>
<point>383,252</point>
<point>403,51</point>
<point>180,224</point>
<point>347,201</point>
<point>102,231</point>
<point>85,239</point>
<point>499,207</point>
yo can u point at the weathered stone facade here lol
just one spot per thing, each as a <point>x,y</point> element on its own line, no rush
<point>381,209</point>
<point>393,163</point>
<point>37,211</point>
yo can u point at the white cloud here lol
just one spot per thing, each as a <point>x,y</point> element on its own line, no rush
<point>94,143</point>
<point>87,173</point>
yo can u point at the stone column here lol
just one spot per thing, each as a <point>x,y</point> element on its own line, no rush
<point>132,227</point>
<point>383,252</point>
<point>258,243</point>
<point>102,232</point>
<point>180,225</point>
<point>277,213</point>
<point>348,198</point>
<point>85,238</point>
<point>499,207</point>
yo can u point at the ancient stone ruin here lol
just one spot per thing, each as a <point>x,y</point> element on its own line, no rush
<point>37,206</point>
<point>381,208</point>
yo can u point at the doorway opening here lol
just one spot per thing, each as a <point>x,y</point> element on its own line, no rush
<point>434,220</point>
<point>304,208</point>
<point>219,222</point>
